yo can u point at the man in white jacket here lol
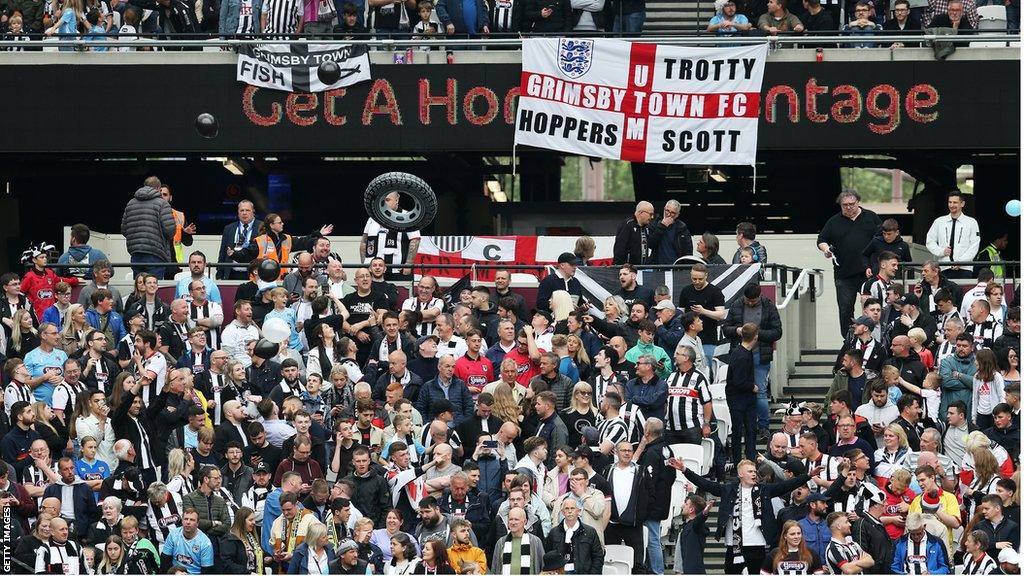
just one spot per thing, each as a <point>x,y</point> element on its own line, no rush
<point>955,237</point>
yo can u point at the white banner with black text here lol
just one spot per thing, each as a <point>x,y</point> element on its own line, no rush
<point>641,102</point>
<point>293,68</point>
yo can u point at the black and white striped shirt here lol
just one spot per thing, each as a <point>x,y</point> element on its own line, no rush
<point>986,565</point>
<point>165,518</point>
<point>282,16</point>
<point>391,245</point>
<point>687,394</point>
<point>600,385</point>
<point>876,287</point>
<point>986,332</point>
<point>830,469</point>
<point>635,420</point>
<point>423,328</point>
<point>65,394</point>
<point>613,430</point>
<point>839,554</point>
<point>916,561</point>
<point>947,348</point>
<point>503,10</point>
<point>246,25</point>
<point>208,310</point>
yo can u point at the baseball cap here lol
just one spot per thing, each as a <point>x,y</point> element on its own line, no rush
<point>795,466</point>
<point>545,314</point>
<point>1009,556</point>
<point>424,338</point>
<point>568,258</point>
<point>911,299</point>
<point>817,497</point>
<point>261,468</point>
<point>865,321</point>
<point>665,305</point>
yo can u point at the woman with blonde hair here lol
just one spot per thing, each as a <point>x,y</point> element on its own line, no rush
<point>561,304</point>
<point>578,353</point>
<point>66,25</point>
<point>24,336</point>
<point>986,474</point>
<point>180,465</point>
<point>113,556</point>
<point>978,440</point>
<point>615,309</point>
<point>51,429</point>
<point>505,406</point>
<point>72,337</point>
<point>580,413</point>
<point>892,455</point>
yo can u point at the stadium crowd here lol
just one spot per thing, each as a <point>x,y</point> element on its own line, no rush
<point>333,429</point>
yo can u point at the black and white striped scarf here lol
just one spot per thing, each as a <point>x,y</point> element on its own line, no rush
<point>524,555</point>
<point>737,517</point>
<point>917,557</point>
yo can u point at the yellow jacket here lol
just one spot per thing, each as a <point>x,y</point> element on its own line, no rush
<point>460,553</point>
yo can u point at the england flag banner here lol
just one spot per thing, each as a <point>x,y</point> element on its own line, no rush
<point>293,68</point>
<point>641,102</point>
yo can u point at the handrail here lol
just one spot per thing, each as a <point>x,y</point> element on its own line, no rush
<point>805,275</point>
<point>389,43</point>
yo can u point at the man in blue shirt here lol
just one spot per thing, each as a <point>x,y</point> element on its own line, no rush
<point>186,546</point>
<point>728,22</point>
<point>46,363</point>
<point>816,532</point>
<point>197,268</point>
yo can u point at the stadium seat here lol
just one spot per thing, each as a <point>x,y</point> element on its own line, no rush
<point>692,455</point>
<point>721,408</point>
<point>709,452</point>
<point>618,559</point>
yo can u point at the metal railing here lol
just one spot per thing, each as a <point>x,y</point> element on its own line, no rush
<point>689,39</point>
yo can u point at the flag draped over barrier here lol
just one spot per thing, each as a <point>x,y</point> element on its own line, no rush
<point>641,102</point>
<point>293,67</point>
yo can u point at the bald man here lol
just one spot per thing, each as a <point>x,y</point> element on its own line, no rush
<point>398,373</point>
<point>637,240</point>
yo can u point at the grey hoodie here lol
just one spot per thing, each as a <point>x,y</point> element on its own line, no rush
<point>148,224</point>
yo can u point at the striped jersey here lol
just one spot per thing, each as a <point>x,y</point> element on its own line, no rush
<point>830,470</point>
<point>986,332</point>
<point>423,328</point>
<point>876,287</point>
<point>986,565</point>
<point>688,392</point>
<point>282,16</point>
<point>839,554</point>
<point>916,561</point>
<point>613,430</point>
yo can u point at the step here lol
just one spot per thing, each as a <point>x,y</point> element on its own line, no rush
<point>811,376</point>
<point>806,391</point>
<point>813,363</point>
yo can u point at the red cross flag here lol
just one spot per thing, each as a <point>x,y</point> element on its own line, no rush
<point>641,102</point>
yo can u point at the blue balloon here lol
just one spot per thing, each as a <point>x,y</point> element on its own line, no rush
<point>1013,208</point>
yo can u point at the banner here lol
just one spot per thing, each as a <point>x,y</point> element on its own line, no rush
<point>641,102</point>
<point>293,67</point>
<point>505,250</point>
<point>600,283</point>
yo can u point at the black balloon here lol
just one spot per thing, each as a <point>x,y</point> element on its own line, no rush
<point>328,72</point>
<point>269,270</point>
<point>206,125</point>
<point>266,349</point>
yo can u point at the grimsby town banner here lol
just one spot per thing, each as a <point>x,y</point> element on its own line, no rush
<point>293,68</point>
<point>500,250</point>
<point>641,102</point>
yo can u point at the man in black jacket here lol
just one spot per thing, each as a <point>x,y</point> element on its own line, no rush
<point>745,497</point>
<point>741,393</point>
<point>869,532</point>
<point>676,240</point>
<point>761,311</point>
<point>548,16</point>
<point>636,241</point>
<point>583,553</point>
<point>372,496</point>
<point>83,500</point>
<point>660,479</point>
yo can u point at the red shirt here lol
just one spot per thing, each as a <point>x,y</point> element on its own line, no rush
<point>892,502</point>
<point>525,368</point>
<point>475,373</point>
<point>38,288</point>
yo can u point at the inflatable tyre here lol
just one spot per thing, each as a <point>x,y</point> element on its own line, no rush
<point>417,202</point>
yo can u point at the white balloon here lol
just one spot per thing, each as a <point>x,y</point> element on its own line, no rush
<point>276,330</point>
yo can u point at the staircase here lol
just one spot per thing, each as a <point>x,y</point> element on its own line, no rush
<point>810,383</point>
<point>675,16</point>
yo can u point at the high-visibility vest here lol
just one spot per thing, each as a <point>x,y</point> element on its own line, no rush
<point>267,249</point>
<point>179,226</point>
<point>994,256</point>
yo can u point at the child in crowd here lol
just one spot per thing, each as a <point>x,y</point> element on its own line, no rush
<point>428,26</point>
<point>891,377</point>
<point>746,255</point>
<point>918,337</point>
<point>888,241</point>
<point>349,23</point>
<point>812,423</point>
<point>129,27</point>
<point>930,393</point>
<point>96,33</point>
<point>15,32</point>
